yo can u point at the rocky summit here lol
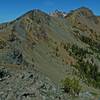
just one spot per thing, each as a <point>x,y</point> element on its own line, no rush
<point>51,56</point>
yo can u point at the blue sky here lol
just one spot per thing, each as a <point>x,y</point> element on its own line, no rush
<point>11,9</point>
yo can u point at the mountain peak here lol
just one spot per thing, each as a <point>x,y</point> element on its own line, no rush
<point>33,13</point>
<point>83,11</point>
<point>58,13</point>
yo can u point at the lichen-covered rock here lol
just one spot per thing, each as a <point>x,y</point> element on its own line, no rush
<point>27,85</point>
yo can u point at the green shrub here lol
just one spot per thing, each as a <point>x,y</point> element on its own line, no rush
<point>94,45</point>
<point>90,71</point>
<point>79,52</point>
<point>71,86</point>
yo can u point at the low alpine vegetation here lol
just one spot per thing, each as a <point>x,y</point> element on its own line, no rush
<point>71,86</point>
